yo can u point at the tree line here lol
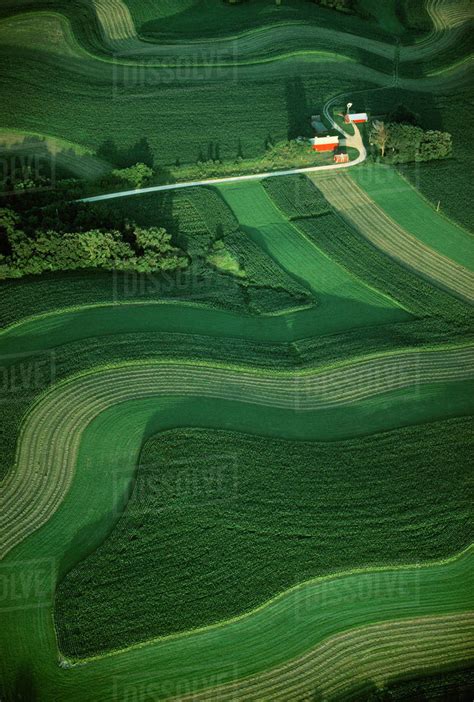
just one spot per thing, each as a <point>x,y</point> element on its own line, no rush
<point>398,142</point>
<point>341,5</point>
<point>40,239</point>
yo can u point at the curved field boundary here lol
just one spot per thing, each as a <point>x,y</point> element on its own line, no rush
<point>257,46</point>
<point>276,635</point>
<point>360,211</point>
<point>319,613</point>
<point>45,29</point>
<point>66,154</point>
<point>51,433</point>
<point>448,21</point>
<point>447,14</point>
<point>373,653</point>
<point>58,37</point>
<point>120,34</point>
<point>119,31</point>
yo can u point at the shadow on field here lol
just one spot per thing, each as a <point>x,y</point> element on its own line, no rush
<point>86,541</point>
<point>297,108</point>
<point>24,688</point>
<point>140,152</point>
<point>255,235</point>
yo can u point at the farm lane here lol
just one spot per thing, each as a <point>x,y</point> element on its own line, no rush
<point>354,141</point>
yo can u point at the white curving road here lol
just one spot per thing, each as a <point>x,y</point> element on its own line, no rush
<point>354,141</point>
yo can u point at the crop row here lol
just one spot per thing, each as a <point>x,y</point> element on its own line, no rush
<point>282,503</point>
<point>343,662</point>
<point>266,343</point>
<point>51,431</point>
<point>382,231</point>
<point>296,196</point>
<point>344,244</point>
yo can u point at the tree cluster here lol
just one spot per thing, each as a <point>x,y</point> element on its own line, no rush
<point>401,143</point>
<point>341,5</point>
<point>136,176</point>
<point>21,254</point>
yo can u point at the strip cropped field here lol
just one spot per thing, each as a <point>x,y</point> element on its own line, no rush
<point>51,433</point>
<point>385,233</point>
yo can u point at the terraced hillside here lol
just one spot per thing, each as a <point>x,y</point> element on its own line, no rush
<point>246,479</point>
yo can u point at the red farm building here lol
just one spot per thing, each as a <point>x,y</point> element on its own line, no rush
<point>341,158</point>
<point>358,118</point>
<point>328,143</point>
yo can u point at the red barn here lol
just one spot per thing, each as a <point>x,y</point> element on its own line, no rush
<point>328,143</point>
<point>357,118</point>
<point>341,158</point>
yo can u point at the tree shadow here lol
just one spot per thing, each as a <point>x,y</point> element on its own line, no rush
<point>89,538</point>
<point>24,687</point>
<point>297,108</point>
<point>140,152</point>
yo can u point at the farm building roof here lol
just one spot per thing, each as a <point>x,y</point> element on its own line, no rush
<point>325,140</point>
<point>359,116</point>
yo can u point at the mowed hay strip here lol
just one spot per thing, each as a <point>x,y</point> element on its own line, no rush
<point>446,15</point>
<point>51,434</point>
<point>374,224</point>
<point>448,21</point>
<point>116,21</point>
<point>370,653</point>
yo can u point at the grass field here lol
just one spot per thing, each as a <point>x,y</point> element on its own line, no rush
<point>352,203</point>
<point>247,480</point>
<point>417,216</point>
<point>340,295</point>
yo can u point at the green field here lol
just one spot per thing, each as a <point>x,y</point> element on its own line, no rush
<point>397,238</point>
<point>269,99</point>
<point>247,479</point>
<point>341,296</point>
<point>237,500</point>
<point>388,189</point>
